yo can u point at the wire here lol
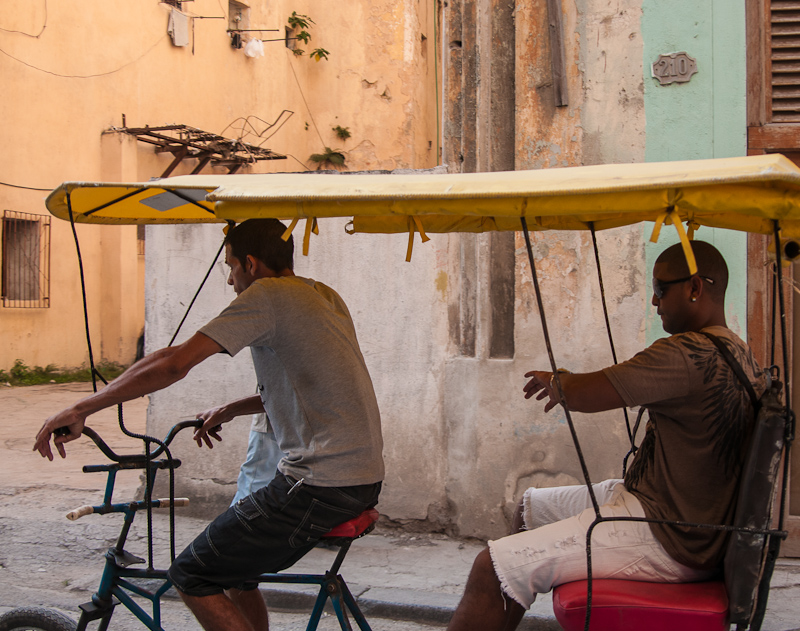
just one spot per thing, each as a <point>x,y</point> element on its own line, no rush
<point>39,34</point>
<point>27,188</point>
<point>299,162</point>
<point>88,76</point>
<point>258,134</point>
<point>310,115</point>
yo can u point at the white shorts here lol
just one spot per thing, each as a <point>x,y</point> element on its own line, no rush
<point>553,550</point>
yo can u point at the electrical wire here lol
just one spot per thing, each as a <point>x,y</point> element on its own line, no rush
<point>298,161</point>
<point>310,115</point>
<point>88,76</point>
<point>39,34</point>
<point>254,132</point>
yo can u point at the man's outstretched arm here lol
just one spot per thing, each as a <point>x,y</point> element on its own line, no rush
<point>156,371</point>
<point>213,418</point>
<point>586,392</point>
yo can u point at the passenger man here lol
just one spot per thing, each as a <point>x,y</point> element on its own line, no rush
<point>317,393</point>
<point>687,467</point>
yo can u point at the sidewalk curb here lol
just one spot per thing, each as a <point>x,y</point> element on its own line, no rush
<point>390,603</point>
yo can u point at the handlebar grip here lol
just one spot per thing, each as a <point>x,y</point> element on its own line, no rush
<point>177,502</point>
<point>80,512</point>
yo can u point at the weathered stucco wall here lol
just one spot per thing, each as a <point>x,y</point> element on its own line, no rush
<point>400,320</point>
<point>497,441</point>
<point>72,71</point>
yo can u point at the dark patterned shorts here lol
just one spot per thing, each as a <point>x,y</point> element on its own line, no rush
<point>267,531</point>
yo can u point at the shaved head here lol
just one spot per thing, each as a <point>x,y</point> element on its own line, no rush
<point>710,263</point>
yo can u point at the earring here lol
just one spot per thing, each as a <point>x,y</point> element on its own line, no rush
<point>693,298</point>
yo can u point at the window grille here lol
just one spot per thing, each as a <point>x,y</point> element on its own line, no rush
<point>26,260</point>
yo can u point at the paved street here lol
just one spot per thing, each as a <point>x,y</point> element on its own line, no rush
<point>46,560</point>
<point>403,581</point>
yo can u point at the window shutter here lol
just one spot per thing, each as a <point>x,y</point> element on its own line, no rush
<point>785,55</point>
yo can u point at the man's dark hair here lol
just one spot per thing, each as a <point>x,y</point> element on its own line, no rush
<point>710,263</point>
<point>261,238</point>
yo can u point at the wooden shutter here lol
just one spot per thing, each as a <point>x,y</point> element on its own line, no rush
<point>785,60</point>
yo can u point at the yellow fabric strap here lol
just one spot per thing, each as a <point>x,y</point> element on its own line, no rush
<point>657,228</point>
<point>414,224</point>
<point>411,226</point>
<point>672,217</point>
<point>285,236</point>
<point>311,226</point>
<point>418,223</point>
<point>687,246</point>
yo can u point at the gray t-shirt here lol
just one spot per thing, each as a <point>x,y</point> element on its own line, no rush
<point>312,378</point>
<point>688,464</point>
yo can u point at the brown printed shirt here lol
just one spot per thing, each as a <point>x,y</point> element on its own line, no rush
<point>700,419</point>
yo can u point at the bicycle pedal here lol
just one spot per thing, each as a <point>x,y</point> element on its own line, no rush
<point>124,559</point>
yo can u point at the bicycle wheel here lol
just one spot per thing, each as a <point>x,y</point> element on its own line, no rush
<point>36,619</point>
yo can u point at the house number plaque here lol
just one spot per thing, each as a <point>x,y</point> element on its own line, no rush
<point>674,68</point>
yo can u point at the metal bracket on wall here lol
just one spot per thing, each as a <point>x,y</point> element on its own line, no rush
<point>185,142</point>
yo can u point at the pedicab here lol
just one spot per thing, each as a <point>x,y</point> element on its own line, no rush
<point>758,194</point>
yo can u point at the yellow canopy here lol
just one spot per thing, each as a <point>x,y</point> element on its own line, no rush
<point>738,193</point>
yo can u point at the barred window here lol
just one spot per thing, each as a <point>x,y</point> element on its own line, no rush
<point>26,260</point>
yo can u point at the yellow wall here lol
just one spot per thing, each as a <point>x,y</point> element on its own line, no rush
<point>72,69</point>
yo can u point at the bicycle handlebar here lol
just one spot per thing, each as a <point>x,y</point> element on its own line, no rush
<point>138,458</point>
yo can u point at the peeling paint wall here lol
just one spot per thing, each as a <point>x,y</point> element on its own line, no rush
<point>379,82</point>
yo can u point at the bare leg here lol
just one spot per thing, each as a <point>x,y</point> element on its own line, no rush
<point>518,523</point>
<point>251,604</point>
<point>216,613</point>
<point>484,607</point>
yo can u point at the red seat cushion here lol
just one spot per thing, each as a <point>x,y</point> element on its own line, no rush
<point>355,526</point>
<point>618,605</point>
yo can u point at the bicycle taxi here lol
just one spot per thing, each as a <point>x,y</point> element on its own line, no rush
<point>759,194</point>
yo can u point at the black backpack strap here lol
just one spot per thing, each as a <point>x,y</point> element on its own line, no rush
<point>736,367</point>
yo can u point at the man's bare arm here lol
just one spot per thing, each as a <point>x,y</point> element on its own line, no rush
<point>586,392</point>
<point>215,417</point>
<point>156,371</point>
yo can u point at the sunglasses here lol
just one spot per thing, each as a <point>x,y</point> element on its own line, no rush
<point>660,286</point>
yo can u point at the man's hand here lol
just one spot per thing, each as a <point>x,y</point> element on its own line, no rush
<point>582,392</point>
<point>212,424</point>
<point>70,420</point>
<point>540,382</point>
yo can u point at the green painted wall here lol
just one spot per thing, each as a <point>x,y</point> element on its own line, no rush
<point>704,118</point>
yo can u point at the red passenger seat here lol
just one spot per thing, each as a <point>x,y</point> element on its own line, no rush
<point>618,604</point>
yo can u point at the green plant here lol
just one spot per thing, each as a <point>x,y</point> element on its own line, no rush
<point>22,375</point>
<point>342,133</point>
<point>297,20</point>
<point>328,158</point>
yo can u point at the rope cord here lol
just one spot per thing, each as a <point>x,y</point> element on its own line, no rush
<point>556,378</point>
<point>774,314</point>
<point>197,293</point>
<point>147,439</point>
<point>83,290</point>
<point>786,373</point>
<point>608,328</point>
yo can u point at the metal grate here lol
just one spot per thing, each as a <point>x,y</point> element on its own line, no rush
<point>26,260</point>
<point>785,47</point>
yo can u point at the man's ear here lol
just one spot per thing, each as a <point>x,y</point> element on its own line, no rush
<point>697,286</point>
<point>251,264</point>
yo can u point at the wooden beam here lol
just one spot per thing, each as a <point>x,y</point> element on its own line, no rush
<point>558,54</point>
<point>774,137</point>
